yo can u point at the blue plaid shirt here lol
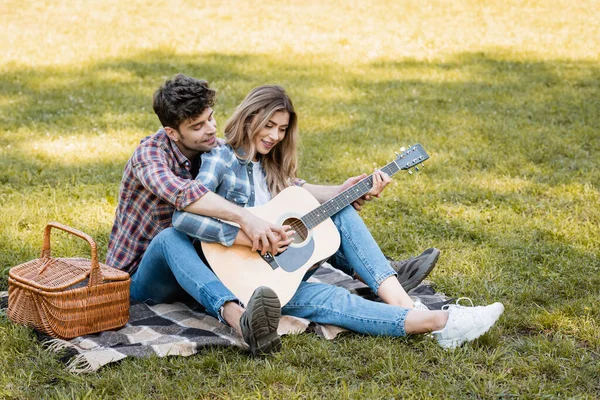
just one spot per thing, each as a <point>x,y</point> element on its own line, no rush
<point>229,177</point>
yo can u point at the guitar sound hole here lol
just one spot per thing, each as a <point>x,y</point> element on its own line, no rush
<point>298,226</point>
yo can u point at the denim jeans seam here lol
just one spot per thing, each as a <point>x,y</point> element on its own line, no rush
<point>386,275</point>
<point>216,302</point>
<point>402,322</point>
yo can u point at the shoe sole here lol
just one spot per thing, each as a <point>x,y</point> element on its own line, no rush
<point>264,311</point>
<point>417,278</point>
<point>475,332</point>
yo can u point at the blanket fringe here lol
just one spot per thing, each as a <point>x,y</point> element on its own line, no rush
<point>57,345</point>
<point>3,302</point>
<point>79,365</point>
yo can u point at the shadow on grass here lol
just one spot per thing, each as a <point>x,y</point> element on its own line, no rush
<point>481,110</point>
<point>536,121</point>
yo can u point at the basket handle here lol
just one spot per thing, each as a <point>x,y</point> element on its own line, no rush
<point>95,273</point>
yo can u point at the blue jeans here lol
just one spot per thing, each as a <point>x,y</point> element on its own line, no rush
<point>329,304</point>
<point>359,254</point>
<point>171,268</point>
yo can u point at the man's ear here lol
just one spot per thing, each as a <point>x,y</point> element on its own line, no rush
<point>172,133</point>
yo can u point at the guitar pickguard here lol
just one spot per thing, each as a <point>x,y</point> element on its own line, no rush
<point>293,258</point>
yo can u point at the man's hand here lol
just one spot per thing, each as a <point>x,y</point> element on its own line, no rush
<point>380,181</point>
<point>265,236</point>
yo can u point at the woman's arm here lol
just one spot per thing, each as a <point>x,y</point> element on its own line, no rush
<point>203,219</point>
<point>323,193</point>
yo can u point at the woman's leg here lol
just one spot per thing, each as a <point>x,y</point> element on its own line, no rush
<point>333,305</point>
<point>328,304</point>
<point>360,255</point>
<point>422,321</point>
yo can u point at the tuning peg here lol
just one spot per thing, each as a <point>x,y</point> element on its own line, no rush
<point>410,172</point>
<point>402,148</point>
<point>417,169</point>
<point>422,165</point>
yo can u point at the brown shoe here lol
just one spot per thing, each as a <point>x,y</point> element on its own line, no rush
<point>411,272</point>
<point>260,320</point>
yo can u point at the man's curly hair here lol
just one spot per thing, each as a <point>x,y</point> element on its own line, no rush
<point>182,98</point>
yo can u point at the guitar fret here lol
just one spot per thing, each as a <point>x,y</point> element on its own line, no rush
<point>355,192</point>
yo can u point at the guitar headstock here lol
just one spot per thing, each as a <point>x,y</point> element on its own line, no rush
<point>413,157</point>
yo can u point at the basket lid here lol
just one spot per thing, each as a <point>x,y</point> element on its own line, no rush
<point>55,274</point>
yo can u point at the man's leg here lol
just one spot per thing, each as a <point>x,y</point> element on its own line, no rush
<point>412,271</point>
<point>171,266</point>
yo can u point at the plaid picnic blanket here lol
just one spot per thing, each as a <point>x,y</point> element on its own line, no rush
<point>184,329</point>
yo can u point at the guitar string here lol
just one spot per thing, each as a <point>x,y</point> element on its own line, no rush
<point>363,185</point>
<point>298,224</point>
<point>339,201</point>
<point>308,221</point>
<point>333,205</point>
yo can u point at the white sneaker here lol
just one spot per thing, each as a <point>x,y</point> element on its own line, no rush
<point>467,323</point>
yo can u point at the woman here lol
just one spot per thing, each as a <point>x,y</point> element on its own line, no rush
<point>258,161</point>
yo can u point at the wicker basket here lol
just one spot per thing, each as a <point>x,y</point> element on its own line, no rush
<point>68,297</point>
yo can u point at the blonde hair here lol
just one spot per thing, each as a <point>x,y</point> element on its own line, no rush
<point>249,118</point>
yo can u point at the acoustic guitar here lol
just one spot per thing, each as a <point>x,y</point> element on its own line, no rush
<point>242,270</point>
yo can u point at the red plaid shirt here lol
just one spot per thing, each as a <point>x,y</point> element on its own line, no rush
<point>157,181</point>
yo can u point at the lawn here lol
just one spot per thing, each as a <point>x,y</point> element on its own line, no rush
<point>504,96</point>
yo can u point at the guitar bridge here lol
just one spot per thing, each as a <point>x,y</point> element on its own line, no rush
<point>270,259</point>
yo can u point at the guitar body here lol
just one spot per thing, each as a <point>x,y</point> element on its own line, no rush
<point>242,271</point>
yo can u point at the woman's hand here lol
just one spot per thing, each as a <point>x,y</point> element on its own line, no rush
<point>380,181</point>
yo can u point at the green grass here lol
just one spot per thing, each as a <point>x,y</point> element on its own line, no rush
<point>504,96</point>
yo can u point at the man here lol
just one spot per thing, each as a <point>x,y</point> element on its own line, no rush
<point>163,263</point>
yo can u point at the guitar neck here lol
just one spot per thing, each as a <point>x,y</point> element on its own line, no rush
<point>345,198</point>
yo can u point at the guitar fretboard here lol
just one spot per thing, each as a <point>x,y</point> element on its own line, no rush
<point>348,196</point>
